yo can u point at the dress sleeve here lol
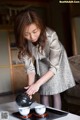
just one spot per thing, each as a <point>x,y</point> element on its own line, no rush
<point>29,67</point>
<point>55,51</point>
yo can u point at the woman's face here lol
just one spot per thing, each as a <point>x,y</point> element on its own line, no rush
<point>32,32</point>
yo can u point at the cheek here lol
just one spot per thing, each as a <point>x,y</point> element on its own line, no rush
<point>38,35</point>
<point>28,38</point>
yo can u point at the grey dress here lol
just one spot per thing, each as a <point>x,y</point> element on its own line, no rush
<point>53,58</point>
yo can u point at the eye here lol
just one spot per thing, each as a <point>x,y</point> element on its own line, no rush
<point>35,31</point>
<point>26,34</point>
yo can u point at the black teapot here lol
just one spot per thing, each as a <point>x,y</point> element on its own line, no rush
<point>23,100</point>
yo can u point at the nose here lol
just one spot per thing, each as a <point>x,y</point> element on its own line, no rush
<point>31,36</point>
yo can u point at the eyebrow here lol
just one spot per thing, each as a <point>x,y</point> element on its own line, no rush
<point>35,29</point>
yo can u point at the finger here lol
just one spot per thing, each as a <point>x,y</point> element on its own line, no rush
<point>30,92</point>
<point>30,96</point>
<point>26,87</point>
<point>34,92</point>
<point>30,89</point>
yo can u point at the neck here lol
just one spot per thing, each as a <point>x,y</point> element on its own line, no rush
<point>35,43</point>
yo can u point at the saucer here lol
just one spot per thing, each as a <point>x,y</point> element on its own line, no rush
<point>18,115</point>
<point>28,116</point>
<point>41,116</point>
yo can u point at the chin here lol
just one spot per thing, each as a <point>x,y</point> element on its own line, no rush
<point>34,41</point>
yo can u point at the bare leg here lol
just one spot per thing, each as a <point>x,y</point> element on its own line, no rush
<point>57,101</point>
<point>44,100</point>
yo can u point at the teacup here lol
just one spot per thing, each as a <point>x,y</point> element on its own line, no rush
<point>40,109</point>
<point>24,110</point>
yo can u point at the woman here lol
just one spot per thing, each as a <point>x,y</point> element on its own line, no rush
<point>39,43</point>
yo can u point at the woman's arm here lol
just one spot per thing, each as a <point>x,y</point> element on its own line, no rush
<point>35,86</point>
<point>30,69</point>
<point>31,78</point>
<point>45,78</point>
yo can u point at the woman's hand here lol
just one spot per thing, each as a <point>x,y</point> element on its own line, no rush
<point>26,88</point>
<point>32,89</point>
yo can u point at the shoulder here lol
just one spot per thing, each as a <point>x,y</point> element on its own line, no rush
<point>51,35</point>
<point>50,32</point>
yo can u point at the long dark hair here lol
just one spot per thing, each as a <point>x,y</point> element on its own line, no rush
<point>25,18</point>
